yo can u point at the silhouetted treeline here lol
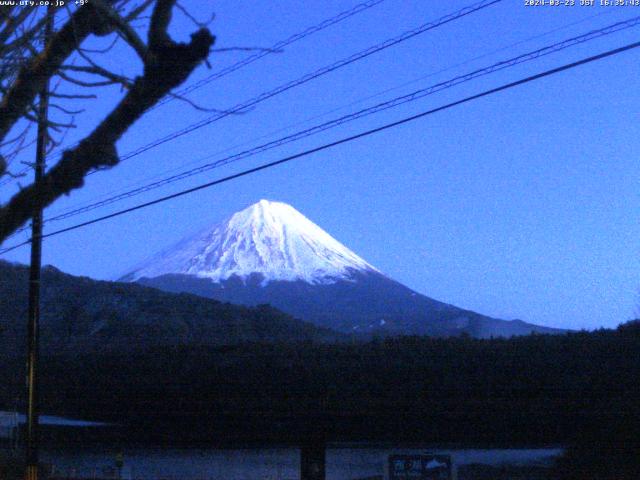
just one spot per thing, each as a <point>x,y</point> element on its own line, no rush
<point>525,390</point>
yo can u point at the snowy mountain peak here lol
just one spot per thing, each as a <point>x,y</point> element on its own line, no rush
<point>268,238</point>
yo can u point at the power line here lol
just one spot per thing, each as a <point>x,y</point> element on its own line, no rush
<point>351,138</point>
<point>242,107</point>
<point>361,7</point>
<point>395,102</point>
<point>274,48</point>
<point>311,76</point>
<point>125,189</point>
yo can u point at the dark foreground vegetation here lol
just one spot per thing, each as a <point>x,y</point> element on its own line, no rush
<point>579,389</point>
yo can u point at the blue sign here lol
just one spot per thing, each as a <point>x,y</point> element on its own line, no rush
<point>420,467</point>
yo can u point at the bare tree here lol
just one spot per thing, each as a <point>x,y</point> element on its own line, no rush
<point>27,63</point>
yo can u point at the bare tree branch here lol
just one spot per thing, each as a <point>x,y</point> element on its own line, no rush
<point>75,96</point>
<point>57,126</point>
<point>136,12</point>
<point>83,83</point>
<point>98,70</point>
<point>101,50</point>
<point>128,33</point>
<point>167,65</point>
<point>159,25</point>
<point>12,25</point>
<point>196,105</point>
<point>33,76</point>
<point>195,21</point>
<point>247,49</point>
<point>66,110</point>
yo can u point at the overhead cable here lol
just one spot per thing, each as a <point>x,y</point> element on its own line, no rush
<point>395,102</point>
<point>348,139</point>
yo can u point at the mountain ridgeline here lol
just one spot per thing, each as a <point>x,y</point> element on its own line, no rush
<point>81,315</point>
<point>269,253</point>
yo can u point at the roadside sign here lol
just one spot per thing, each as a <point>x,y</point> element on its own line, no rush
<point>420,467</point>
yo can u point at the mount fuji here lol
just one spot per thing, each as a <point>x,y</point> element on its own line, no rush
<point>271,253</point>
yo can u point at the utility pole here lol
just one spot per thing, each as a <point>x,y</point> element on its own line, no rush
<point>313,459</point>
<point>33,328</point>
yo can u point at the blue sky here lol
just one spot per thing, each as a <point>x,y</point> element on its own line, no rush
<point>522,205</point>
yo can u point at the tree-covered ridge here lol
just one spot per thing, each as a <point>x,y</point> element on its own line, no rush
<point>529,390</point>
<point>81,315</point>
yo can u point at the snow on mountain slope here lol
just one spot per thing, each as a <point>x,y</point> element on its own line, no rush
<point>268,238</point>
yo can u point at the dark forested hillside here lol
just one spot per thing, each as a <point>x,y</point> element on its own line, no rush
<point>81,315</point>
<point>367,304</point>
<point>182,369</point>
<point>530,390</point>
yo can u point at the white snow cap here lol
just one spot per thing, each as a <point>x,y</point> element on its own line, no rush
<point>269,238</point>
